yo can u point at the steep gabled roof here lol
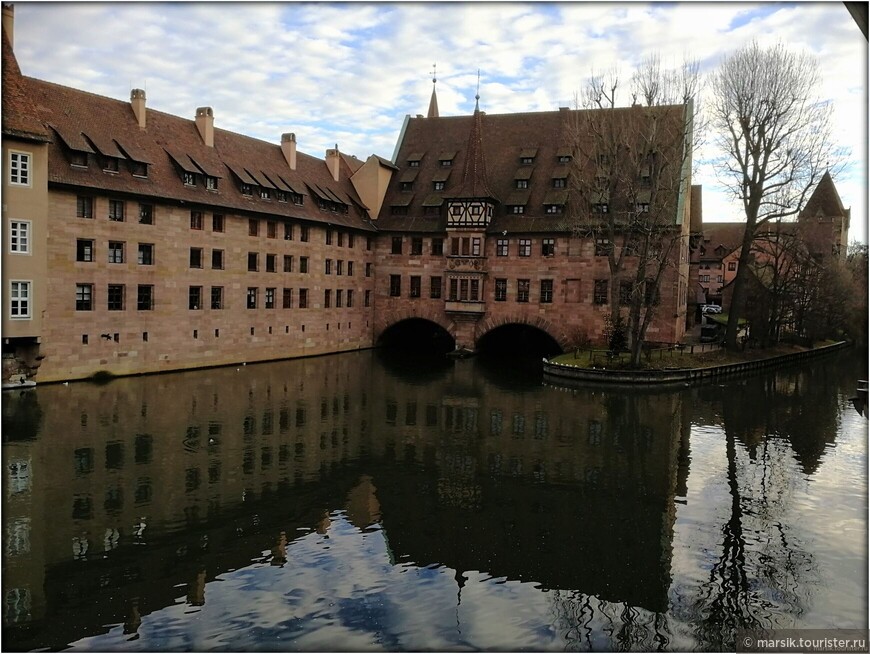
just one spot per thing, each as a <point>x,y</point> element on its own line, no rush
<point>825,200</point>
<point>19,114</point>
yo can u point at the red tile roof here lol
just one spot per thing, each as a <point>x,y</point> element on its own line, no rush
<point>19,114</point>
<point>825,200</point>
<point>171,144</point>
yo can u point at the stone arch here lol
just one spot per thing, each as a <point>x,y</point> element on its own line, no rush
<point>391,317</point>
<point>557,334</point>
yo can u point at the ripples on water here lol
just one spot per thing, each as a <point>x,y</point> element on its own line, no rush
<point>367,502</point>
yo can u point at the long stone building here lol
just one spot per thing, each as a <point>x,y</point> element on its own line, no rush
<point>136,241</point>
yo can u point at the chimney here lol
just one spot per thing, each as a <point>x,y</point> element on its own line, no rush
<point>288,147</point>
<point>333,161</point>
<point>205,125</point>
<point>9,22</point>
<point>137,101</point>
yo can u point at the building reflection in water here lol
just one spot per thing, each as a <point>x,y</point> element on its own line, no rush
<point>172,480</point>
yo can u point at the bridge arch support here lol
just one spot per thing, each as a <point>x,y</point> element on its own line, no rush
<point>558,335</point>
<point>390,319</point>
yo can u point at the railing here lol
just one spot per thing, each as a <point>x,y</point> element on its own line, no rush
<point>560,373</point>
<point>651,352</point>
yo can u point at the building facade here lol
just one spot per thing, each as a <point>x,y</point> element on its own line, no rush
<point>137,241</point>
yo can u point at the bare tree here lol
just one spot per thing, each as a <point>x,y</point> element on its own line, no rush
<point>630,185</point>
<point>775,137</point>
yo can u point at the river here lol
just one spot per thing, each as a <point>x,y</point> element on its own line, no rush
<point>374,501</point>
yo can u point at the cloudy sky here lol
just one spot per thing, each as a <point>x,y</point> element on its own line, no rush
<point>349,73</point>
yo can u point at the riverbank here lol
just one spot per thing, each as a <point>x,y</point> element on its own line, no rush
<point>680,367</point>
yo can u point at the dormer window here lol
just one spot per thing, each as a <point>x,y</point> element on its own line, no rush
<point>642,207</point>
<point>560,182</point>
<point>281,196</point>
<point>322,204</point>
<point>110,164</point>
<point>600,207</point>
<point>553,208</point>
<point>564,158</point>
<point>398,211</point>
<point>297,199</point>
<point>518,208</point>
<point>211,183</point>
<point>406,186</point>
<point>438,186</point>
<point>527,161</point>
<point>77,158</point>
<point>139,169</point>
<point>414,164</point>
<point>246,189</point>
<point>522,183</point>
<point>446,163</point>
<point>189,179</point>
<point>265,194</point>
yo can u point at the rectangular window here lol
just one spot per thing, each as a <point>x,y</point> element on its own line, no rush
<point>350,268</point>
<point>475,247</point>
<point>19,168</point>
<point>194,298</point>
<point>525,248</point>
<point>625,293</point>
<point>474,291</point>
<point>303,298</point>
<point>144,297</point>
<point>196,257</point>
<point>287,298</point>
<point>196,219</point>
<point>546,291</point>
<point>84,249</point>
<point>600,207</point>
<point>116,211</point>
<point>732,266</point>
<point>548,247</point>
<point>466,246</point>
<point>522,183</point>
<point>115,297</point>
<point>339,267</point>
<point>396,245</point>
<point>146,214</point>
<point>338,298</point>
<point>340,239</point>
<point>327,267</point>
<point>253,262</point>
<point>599,295</point>
<point>560,182</point>
<point>252,297</point>
<point>327,298</point>
<point>270,298</point>
<point>84,207</point>
<point>303,264</point>
<point>350,240</point>
<point>145,256</point>
<point>368,270</point>
<point>84,297</point>
<point>415,286</point>
<point>288,231</point>
<point>265,194</point>
<point>437,247</point>
<point>211,183</point>
<point>500,290</point>
<point>253,227</point>
<point>553,208</point>
<point>188,179</point>
<point>288,263</point>
<point>602,247</point>
<point>650,293</point>
<point>19,236</point>
<point>217,222</point>
<point>116,252</point>
<point>395,285</point>
<point>217,259</point>
<point>435,288</point>
<point>453,294</point>
<point>271,229</point>
<point>463,290</point>
<point>367,299</point>
<point>270,263</point>
<point>518,208</point>
<point>19,300</point>
<point>217,297</point>
<point>523,290</point>
<point>304,233</point>
<point>329,237</point>
<point>416,245</point>
<point>349,298</point>
<point>501,247</point>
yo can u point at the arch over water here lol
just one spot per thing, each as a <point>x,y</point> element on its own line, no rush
<point>489,328</point>
<point>418,333</point>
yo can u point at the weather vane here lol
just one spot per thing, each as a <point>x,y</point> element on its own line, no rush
<point>433,74</point>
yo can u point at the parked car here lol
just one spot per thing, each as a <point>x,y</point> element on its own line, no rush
<point>711,308</point>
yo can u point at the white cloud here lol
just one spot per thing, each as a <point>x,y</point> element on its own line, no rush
<point>350,72</point>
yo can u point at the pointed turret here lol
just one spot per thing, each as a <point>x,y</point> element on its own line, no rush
<point>825,200</point>
<point>433,101</point>
<point>474,179</point>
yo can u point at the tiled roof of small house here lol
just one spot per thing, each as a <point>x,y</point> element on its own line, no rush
<point>19,114</point>
<point>505,143</point>
<point>171,145</point>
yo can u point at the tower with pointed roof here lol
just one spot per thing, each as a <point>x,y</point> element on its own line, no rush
<point>824,221</point>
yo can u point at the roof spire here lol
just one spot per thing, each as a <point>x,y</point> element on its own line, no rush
<point>474,179</point>
<point>477,94</point>
<point>433,102</point>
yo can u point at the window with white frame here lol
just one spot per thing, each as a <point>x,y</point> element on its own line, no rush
<point>19,168</point>
<point>19,300</point>
<point>19,236</point>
